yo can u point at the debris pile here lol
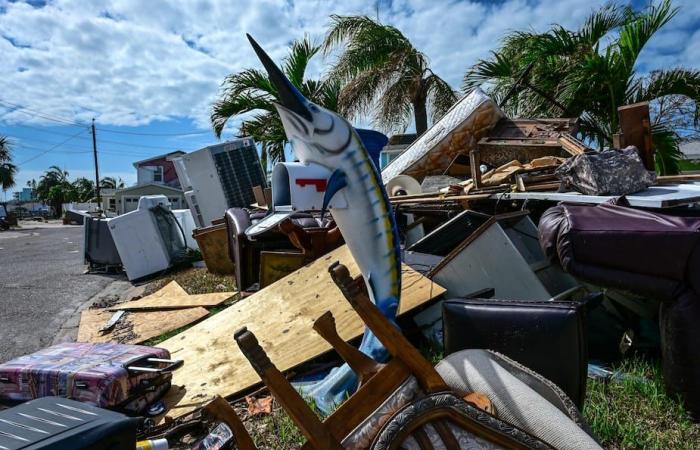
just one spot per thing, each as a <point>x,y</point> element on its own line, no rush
<point>528,259</point>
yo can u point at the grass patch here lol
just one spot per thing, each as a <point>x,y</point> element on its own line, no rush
<point>195,281</point>
<point>688,165</point>
<point>634,414</point>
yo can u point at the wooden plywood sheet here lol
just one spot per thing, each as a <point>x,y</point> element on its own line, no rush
<point>135,327</point>
<point>281,316</point>
<point>185,301</point>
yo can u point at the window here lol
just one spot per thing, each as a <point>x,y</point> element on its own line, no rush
<point>158,174</point>
<point>112,203</point>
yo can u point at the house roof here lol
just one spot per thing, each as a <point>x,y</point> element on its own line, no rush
<point>141,186</point>
<point>153,158</point>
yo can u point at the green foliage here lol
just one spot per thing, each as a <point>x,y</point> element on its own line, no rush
<point>8,171</point>
<point>383,74</point>
<point>111,183</point>
<point>635,412</point>
<point>590,72</point>
<point>251,91</point>
<point>83,190</point>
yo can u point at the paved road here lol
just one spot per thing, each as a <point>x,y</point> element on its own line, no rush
<point>41,285</point>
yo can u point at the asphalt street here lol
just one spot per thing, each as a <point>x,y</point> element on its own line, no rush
<point>41,285</point>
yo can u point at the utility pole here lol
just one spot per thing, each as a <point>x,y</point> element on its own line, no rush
<point>97,170</point>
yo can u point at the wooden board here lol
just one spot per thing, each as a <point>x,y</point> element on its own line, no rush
<point>281,316</point>
<point>173,299</point>
<point>135,327</point>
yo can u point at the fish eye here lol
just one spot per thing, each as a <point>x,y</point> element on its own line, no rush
<point>313,108</point>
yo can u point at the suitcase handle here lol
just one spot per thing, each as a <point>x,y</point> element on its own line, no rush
<point>173,364</point>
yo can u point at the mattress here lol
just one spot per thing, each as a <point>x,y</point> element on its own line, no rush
<point>458,131</point>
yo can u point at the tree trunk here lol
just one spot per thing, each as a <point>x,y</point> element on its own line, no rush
<point>420,112</point>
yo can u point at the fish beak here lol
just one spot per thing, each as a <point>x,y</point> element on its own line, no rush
<point>289,96</point>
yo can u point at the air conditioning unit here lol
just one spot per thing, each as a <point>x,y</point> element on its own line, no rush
<point>149,239</point>
<point>220,177</point>
<point>192,204</point>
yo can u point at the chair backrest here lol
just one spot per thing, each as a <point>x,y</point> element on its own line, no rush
<point>403,402</point>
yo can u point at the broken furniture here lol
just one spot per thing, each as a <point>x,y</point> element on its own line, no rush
<point>404,403</point>
<point>456,132</point>
<point>474,251</point>
<point>523,140</point>
<point>60,424</point>
<point>99,251</point>
<point>548,337</point>
<point>126,378</point>
<point>213,244</point>
<point>635,130</point>
<point>648,253</point>
<point>149,239</point>
<point>246,253</point>
<point>279,313</point>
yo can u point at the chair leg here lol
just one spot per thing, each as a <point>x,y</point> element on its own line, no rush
<point>311,426</point>
<point>221,410</point>
<point>364,366</point>
<point>395,342</point>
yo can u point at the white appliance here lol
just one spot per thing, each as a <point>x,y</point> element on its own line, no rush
<point>148,238</point>
<point>219,177</point>
<point>186,221</point>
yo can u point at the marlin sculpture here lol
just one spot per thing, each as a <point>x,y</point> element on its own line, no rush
<point>368,226</point>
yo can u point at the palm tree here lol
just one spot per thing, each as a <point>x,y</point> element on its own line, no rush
<point>251,90</point>
<point>7,169</point>
<point>55,189</point>
<point>385,75</point>
<point>588,73</point>
<point>111,183</point>
<point>83,189</point>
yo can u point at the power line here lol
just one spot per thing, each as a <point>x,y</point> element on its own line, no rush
<point>40,149</point>
<point>85,138</point>
<point>136,133</point>
<point>52,148</point>
<point>32,112</point>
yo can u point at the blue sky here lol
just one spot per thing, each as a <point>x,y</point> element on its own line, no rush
<point>149,70</point>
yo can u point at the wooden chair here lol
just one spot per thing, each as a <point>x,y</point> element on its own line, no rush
<point>403,404</point>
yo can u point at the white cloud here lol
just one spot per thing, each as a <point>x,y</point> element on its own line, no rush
<point>130,62</point>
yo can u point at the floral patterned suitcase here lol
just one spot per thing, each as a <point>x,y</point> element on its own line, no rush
<point>127,378</point>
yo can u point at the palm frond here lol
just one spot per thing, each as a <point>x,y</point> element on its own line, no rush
<point>8,171</point>
<point>498,68</point>
<point>669,82</point>
<point>636,33</point>
<point>230,106</point>
<point>394,110</point>
<point>667,151</point>
<point>297,61</point>
<point>246,81</point>
<point>441,96</point>
<point>601,22</point>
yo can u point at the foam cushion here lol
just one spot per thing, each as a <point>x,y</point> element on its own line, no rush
<point>515,402</point>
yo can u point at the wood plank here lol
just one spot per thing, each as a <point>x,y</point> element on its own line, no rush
<point>135,327</point>
<point>281,316</point>
<point>688,177</point>
<point>182,302</point>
